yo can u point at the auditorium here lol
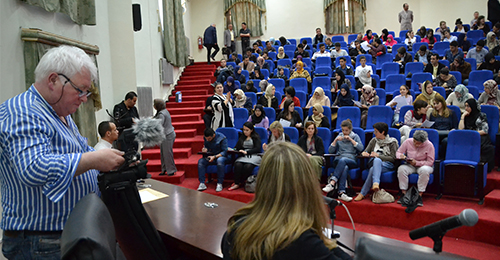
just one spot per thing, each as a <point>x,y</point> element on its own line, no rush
<point>394,105</point>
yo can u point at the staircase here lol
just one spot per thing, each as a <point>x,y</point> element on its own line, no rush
<point>195,86</point>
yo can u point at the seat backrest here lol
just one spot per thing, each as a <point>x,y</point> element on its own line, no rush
<point>302,96</point>
<point>478,77</point>
<point>293,133</point>
<point>440,90</point>
<point>293,42</point>
<point>326,135</point>
<point>381,96</point>
<point>290,54</point>
<point>289,47</point>
<point>394,82</point>
<point>263,134</point>
<point>361,133</point>
<point>272,55</point>
<point>377,79</point>
<point>300,84</point>
<point>285,62</point>
<point>402,34</point>
<point>271,114</point>
<point>308,39</point>
<point>472,62</point>
<point>457,113</point>
<point>445,62</point>
<point>493,117</point>
<point>402,112</point>
<point>352,113</point>
<point>322,82</point>
<point>354,94</point>
<point>323,72</point>
<point>433,137</point>
<point>351,38</point>
<point>231,134</point>
<point>256,83</point>
<point>457,75</point>
<point>323,62</point>
<point>347,60</point>
<point>474,91</point>
<point>382,59</point>
<point>380,113</point>
<point>420,77</point>
<point>327,112</point>
<point>417,45</point>
<point>337,38</point>
<point>390,68</point>
<point>352,80</point>
<point>231,63</point>
<point>440,47</point>
<point>246,74</point>
<point>240,117</point>
<point>413,67</point>
<point>252,96</point>
<point>463,145</point>
<point>395,133</point>
<point>265,73</point>
<point>301,112</point>
<point>271,65</point>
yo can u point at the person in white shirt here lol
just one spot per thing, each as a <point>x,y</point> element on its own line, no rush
<point>363,65</point>
<point>448,37</point>
<point>108,132</point>
<point>338,52</point>
<point>321,53</point>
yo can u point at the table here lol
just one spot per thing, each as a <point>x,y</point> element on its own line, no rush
<point>186,224</point>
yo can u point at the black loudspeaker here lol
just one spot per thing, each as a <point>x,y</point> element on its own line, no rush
<point>136,14</point>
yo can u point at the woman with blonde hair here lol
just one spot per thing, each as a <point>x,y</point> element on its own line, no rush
<point>318,97</point>
<point>277,134</point>
<point>278,223</point>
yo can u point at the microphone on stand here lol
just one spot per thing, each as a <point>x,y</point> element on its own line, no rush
<point>468,217</point>
<point>332,202</point>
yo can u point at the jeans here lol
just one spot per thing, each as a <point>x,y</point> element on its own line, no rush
<point>342,166</point>
<point>40,247</point>
<point>376,170</point>
<point>202,168</point>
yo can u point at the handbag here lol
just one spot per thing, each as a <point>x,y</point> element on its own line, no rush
<point>382,196</point>
<point>251,184</point>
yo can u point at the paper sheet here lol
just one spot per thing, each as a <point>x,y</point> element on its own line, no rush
<point>427,124</point>
<point>285,123</point>
<point>149,194</point>
<point>357,103</point>
<point>401,101</point>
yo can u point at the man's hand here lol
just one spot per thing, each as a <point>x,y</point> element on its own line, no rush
<point>104,160</point>
<point>204,150</point>
<point>211,158</point>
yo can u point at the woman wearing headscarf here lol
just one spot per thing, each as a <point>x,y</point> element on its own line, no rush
<point>238,76</point>
<point>249,87</point>
<point>460,65</point>
<point>339,81</point>
<point>300,72</point>
<point>491,94</point>
<point>428,95</point>
<point>229,86</point>
<point>259,118</point>
<point>446,80</point>
<point>368,98</point>
<point>262,64</point>
<point>299,58</point>
<point>242,101</point>
<point>365,78</point>
<point>345,97</point>
<point>268,99</point>
<point>318,118</point>
<point>490,63</point>
<point>493,43</point>
<point>458,97</point>
<point>474,119</point>
<point>281,54</point>
<point>256,74</point>
<point>318,97</point>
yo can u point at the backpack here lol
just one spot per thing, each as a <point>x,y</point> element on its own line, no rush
<point>411,199</point>
<point>251,184</point>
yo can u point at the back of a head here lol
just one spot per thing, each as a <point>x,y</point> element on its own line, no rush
<point>159,104</point>
<point>66,60</point>
<point>290,91</point>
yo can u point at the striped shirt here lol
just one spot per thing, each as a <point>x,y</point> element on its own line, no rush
<point>38,159</point>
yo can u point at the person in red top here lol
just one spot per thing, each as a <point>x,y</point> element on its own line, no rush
<point>369,36</point>
<point>290,95</point>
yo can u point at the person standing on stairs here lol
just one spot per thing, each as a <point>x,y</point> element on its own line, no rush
<point>210,41</point>
<point>167,146</point>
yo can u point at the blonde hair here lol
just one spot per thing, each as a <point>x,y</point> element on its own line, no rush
<point>287,203</point>
<point>446,110</point>
<point>277,125</point>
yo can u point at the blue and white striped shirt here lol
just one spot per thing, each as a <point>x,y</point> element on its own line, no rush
<point>38,159</point>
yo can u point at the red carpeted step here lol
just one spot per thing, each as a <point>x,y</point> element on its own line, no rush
<point>195,143</point>
<point>206,86</point>
<point>151,154</point>
<point>194,92</point>
<point>190,98</point>
<point>188,165</point>
<point>182,152</point>
<point>186,110</point>
<point>196,77</point>
<point>193,82</point>
<point>186,117</point>
<point>199,125</point>
<point>185,133</point>
<point>200,69</point>
<point>492,200</point>
<point>198,73</point>
<point>185,104</point>
<point>177,178</point>
<point>492,182</point>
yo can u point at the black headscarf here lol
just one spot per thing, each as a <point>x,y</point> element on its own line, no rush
<point>258,119</point>
<point>470,120</point>
<point>347,99</point>
<point>339,72</point>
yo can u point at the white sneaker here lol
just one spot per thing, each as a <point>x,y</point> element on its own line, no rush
<point>328,188</point>
<point>202,187</point>
<point>219,187</point>
<point>344,197</point>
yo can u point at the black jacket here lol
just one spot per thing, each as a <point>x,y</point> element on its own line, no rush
<point>256,144</point>
<point>429,68</point>
<point>318,144</point>
<point>124,116</point>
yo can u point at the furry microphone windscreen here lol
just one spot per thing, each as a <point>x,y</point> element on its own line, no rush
<point>149,131</point>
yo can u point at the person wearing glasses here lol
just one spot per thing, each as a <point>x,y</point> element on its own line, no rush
<point>46,166</point>
<point>125,112</point>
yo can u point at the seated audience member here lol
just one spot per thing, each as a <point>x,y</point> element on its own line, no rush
<point>474,21</point>
<point>215,145</point>
<point>490,63</point>
<point>234,58</point>
<point>463,43</point>
<point>265,55</point>
<point>318,118</point>
<point>347,70</point>
<point>423,55</point>
<point>223,71</point>
<point>478,53</point>
<point>306,46</point>
<point>365,78</point>
<point>281,74</point>
<point>300,72</point>
<point>242,101</point>
<point>281,54</point>
<point>402,57</point>
<point>108,132</point>
<point>300,51</point>
<point>284,41</point>
<point>257,75</point>
<point>289,114</point>
<point>382,150</point>
<point>339,81</point>
<point>259,118</point>
<point>329,44</point>
<point>419,154</point>
<point>337,52</point>
<point>269,47</point>
<point>497,78</point>
<point>376,49</point>
<point>263,85</point>
<point>460,27</point>
<point>359,38</point>
<point>474,119</point>
<point>404,91</point>
<point>357,50</point>
<point>458,97</point>
<point>277,135</point>
<point>222,108</point>
<point>448,37</point>
<point>481,25</point>
<point>252,57</point>
<point>347,145</point>
<point>321,53</point>
<point>299,58</point>
<point>256,49</point>
<point>369,36</point>
<point>493,43</point>
<point>453,52</point>
<point>259,43</point>
<point>262,64</point>
<point>284,167</point>
<point>249,87</point>
<point>413,118</point>
<point>268,99</point>
<point>428,94</point>
<point>434,67</point>
<point>446,80</point>
<point>496,29</point>
<point>387,39</point>
<point>230,86</point>
<point>318,37</point>
<point>410,39</point>
<point>318,97</point>
<point>422,32</point>
<point>363,65</point>
<point>247,64</point>
<point>238,76</point>
<point>249,146</point>
<point>313,146</point>
<point>345,97</point>
<point>368,98</point>
<point>491,94</point>
<point>443,117</point>
<point>442,28</point>
<point>429,38</point>
<point>460,65</point>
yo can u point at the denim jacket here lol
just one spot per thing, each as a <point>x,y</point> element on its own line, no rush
<point>218,145</point>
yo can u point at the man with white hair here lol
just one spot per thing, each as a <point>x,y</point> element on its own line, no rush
<point>46,166</point>
<point>210,41</point>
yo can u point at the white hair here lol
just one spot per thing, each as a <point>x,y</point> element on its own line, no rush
<point>66,60</point>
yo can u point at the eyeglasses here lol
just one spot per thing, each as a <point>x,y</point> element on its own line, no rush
<point>81,93</point>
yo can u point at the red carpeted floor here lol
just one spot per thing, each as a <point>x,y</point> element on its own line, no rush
<point>389,220</point>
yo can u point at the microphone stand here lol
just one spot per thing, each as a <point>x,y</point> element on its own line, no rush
<point>331,205</point>
<point>438,242</point>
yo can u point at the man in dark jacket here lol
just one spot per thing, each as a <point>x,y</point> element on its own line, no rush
<point>210,41</point>
<point>125,112</point>
<point>434,67</point>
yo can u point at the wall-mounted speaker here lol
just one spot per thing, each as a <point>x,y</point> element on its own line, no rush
<point>136,14</point>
